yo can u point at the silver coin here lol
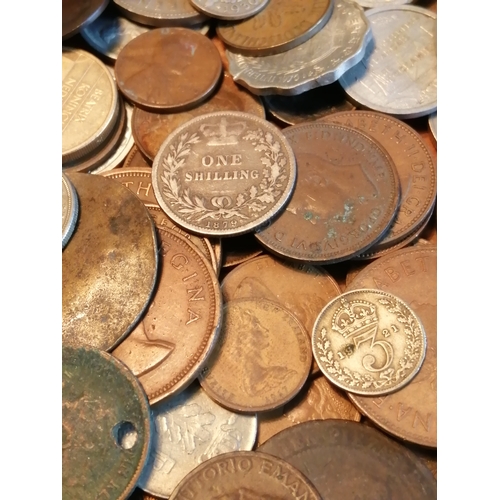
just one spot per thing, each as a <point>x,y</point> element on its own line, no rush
<point>370,4</point>
<point>230,10</point>
<point>69,209</point>
<point>433,125</point>
<point>189,429</point>
<point>320,61</point>
<point>398,74</point>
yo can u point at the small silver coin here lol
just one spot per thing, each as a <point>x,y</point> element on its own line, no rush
<point>69,209</point>
<point>433,125</point>
<point>230,10</point>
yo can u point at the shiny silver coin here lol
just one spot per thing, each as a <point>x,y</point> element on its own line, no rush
<point>69,209</point>
<point>398,74</point>
<point>230,10</point>
<point>433,125</point>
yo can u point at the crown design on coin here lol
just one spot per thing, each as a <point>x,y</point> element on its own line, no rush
<point>356,317</point>
<point>223,133</point>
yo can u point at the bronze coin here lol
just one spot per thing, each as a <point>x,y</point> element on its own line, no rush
<point>170,69</point>
<point>349,461</point>
<point>175,337</point>
<point>280,26</point>
<point>240,249</point>
<point>135,159</point>
<point>262,369</point>
<point>346,196</point>
<point>78,13</point>
<point>411,413</point>
<point>106,426</point>
<point>151,129</point>
<point>245,475</point>
<point>109,266</point>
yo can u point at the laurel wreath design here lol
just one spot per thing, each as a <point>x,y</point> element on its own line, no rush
<point>387,377</point>
<point>253,200</point>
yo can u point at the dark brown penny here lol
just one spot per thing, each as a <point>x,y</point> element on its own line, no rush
<point>170,69</point>
<point>410,413</point>
<point>175,337</point>
<point>109,266</point>
<point>78,13</point>
<point>280,26</point>
<point>245,475</point>
<point>151,129</point>
<point>135,159</point>
<point>346,196</point>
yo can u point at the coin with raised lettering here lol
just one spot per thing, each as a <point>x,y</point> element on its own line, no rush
<point>69,209</point>
<point>77,13</point>
<point>224,173</point>
<point>234,10</point>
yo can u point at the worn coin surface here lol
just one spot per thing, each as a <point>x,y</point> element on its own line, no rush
<point>106,426</point>
<point>168,347</point>
<point>398,74</point>
<point>410,413</point>
<point>321,60</point>
<point>232,10</point>
<point>168,69</point>
<point>109,266</point>
<point>262,369</point>
<point>350,460</point>
<point>69,209</point>
<point>224,173</point>
<point>282,25</point>
<point>151,129</point>
<point>245,475</point>
<point>189,429</point>
<point>346,196</point>
<point>76,14</point>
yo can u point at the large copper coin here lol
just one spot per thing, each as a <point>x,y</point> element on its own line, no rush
<point>245,475</point>
<point>282,25</point>
<point>151,129</point>
<point>411,413</point>
<point>106,426</point>
<point>346,196</point>
<point>224,173</point>
<point>414,162</point>
<point>167,349</point>
<point>78,13</point>
<point>349,461</point>
<point>168,69</point>
<point>109,266</point>
<point>262,359</point>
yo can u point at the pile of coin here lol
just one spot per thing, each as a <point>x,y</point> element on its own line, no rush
<point>249,250</point>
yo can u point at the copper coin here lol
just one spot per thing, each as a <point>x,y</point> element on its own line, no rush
<point>349,461</point>
<point>69,209</point>
<point>415,165</point>
<point>106,426</point>
<point>78,13</point>
<point>173,340</point>
<point>224,173</point>
<point>135,159</point>
<point>168,69</point>
<point>346,196</point>
<point>245,475</point>
<point>282,25</point>
<point>411,413</point>
<point>109,266</point>
<point>262,369</point>
<point>151,129</point>
<point>240,249</point>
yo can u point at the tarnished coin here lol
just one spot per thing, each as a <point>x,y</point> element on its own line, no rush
<point>398,74</point>
<point>282,25</point>
<point>411,413</point>
<point>90,105</point>
<point>346,196</point>
<point>135,159</point>
<point>368,342</point>
<point>433,125</point>
<point>106,426</point>
<point>77,14</point>
<point>151,129</point>
<point>69,209</point>
<point>232,10</point>
<point>319,61</point>
<point>109,266</point>
<point>224,173</point>
<point>170,69</point>
<point>169,346</point>
<point>348,460</point>
<point>245,475</point>
<point>189,429</point>
<point>262,369</point>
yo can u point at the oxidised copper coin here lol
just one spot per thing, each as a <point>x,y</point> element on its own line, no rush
<point>109,266</point>
<point>245,475</point>
<point>349,461</point>
<point>151,129</point>
<point>262,359</point>
<point>168,69</point>
<point>106,426</point>
<point>346,196</point>
<point>173,340</point>
<point>78,13</point>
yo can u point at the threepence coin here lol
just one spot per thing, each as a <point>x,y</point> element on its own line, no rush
<point>234,10</point>
<point>69,209</point>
